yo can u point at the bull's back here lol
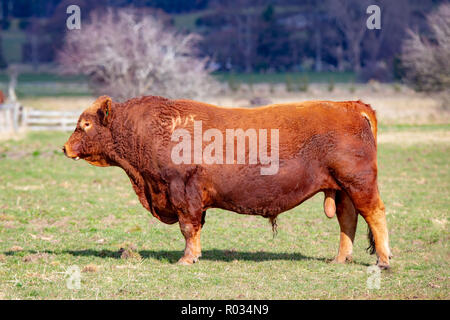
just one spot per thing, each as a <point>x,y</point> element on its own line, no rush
<point>297,123</point>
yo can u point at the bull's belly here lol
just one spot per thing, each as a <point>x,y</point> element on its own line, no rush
<point>267,207</point>
<point>246,191</point>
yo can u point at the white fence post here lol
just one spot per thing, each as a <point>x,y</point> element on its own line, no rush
<point>15,116</point>
<point>24,117</point>
<point>8,120</point>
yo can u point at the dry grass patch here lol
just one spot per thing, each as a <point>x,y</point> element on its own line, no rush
<point>58,103</point>
<point>16,248</point>
<point>414,137</point>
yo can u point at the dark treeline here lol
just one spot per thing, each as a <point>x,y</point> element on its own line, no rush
<point>249,35</point>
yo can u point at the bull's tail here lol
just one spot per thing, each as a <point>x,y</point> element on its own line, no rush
<point>273,221</point>
<point>369,114</point>
<point>371,247</point>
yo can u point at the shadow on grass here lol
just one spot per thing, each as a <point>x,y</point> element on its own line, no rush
<point>213,255</point>
<point>172,256</point>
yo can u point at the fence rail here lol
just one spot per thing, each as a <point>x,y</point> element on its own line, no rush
<point>14,116</point>
<point>50,120</point>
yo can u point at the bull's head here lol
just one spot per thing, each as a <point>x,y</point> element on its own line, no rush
<point>92,134</point>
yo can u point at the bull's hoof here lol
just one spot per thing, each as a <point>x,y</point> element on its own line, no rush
<point>187,261</point>
<point>383,265</point>
<point>342,259</point>
<point>183,262</point>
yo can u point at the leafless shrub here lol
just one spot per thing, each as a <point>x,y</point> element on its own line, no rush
<point>426,59</point>
<point>127,55</point>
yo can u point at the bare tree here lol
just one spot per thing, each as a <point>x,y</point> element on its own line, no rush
<point>426,59</point>
<point>127,55</point>
<point>243,17</point>
<point>380,47</point>
<point>350,16</point>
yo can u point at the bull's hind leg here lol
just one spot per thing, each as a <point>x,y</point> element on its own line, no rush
<point>348,219</point>
<point>376,219</point>
<point>369,204</point>
<point>355,170</point>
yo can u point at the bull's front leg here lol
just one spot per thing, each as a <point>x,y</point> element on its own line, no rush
<point>191,216</point>
<point>190,228</point>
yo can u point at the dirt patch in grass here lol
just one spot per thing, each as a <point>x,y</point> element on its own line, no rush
<point>129,251</point>
<point>110,221</point>
<point>6,217</point>
<point>44,237</point>
<point>16,249</point>
<point>39,224</point>
<point>8,224</point>
<point>36,257</point>
<point>90,268</point>
<point>22,187</point>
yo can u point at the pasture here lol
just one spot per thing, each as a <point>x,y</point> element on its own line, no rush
<point>56,213</point>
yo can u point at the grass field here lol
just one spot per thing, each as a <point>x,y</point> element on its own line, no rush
<point>31,85</point>
<point>295,77</point>
<point>56,213</point>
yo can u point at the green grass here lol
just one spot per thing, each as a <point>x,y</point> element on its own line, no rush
<point>187,21</point>
<point>313,77</point>
<point>64,213</point>
<point>47,85</point>
<point>44,77</point>
<point>295,77</point>
<point>12,44</point>
<point>56,85</point>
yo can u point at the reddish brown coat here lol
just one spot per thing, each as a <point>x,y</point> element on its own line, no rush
<point>323,146</point>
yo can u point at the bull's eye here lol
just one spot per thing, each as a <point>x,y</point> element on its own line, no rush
<point>86,125</point>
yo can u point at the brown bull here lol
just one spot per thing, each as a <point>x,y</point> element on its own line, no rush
<point>322,146</point>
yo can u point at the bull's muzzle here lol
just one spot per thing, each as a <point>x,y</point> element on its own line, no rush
<point>69,153</point>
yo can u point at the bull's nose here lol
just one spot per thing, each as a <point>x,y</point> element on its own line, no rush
<point>69,153</point>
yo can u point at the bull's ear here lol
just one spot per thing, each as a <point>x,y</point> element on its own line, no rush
<point>104,109</point>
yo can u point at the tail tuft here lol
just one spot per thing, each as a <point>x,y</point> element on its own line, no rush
<point>273,221</point>
<point>371,247</point>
